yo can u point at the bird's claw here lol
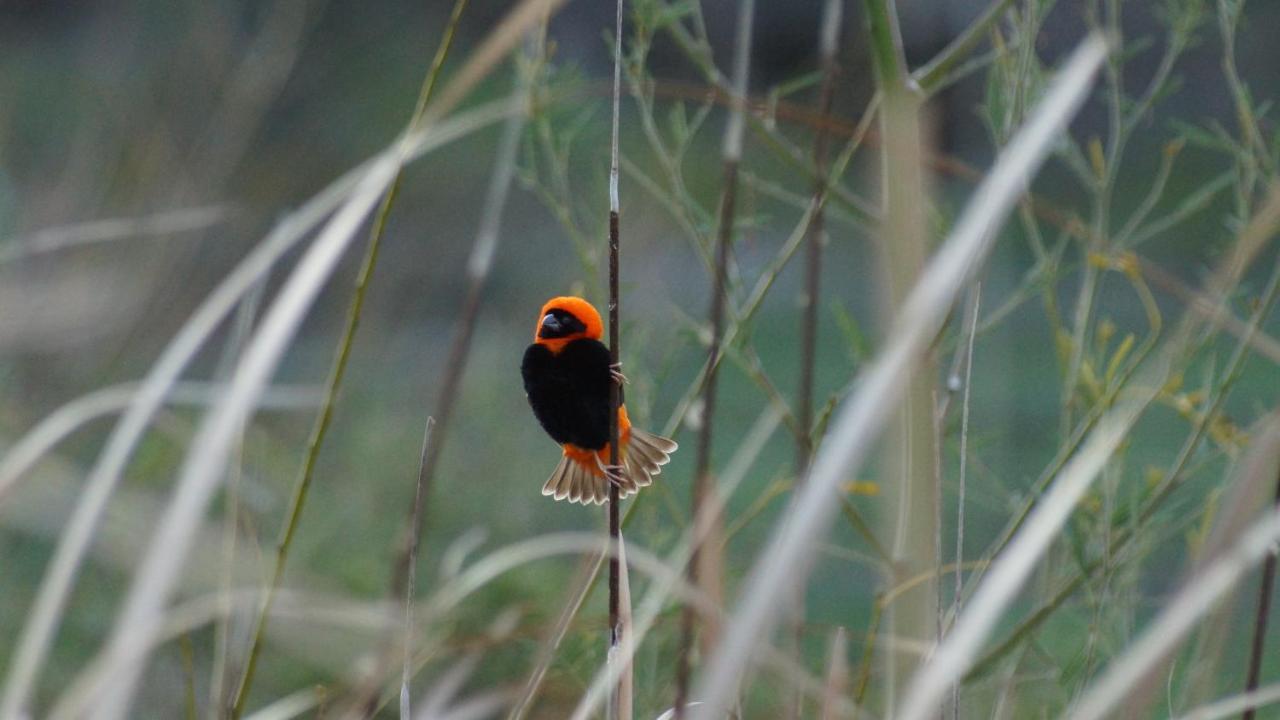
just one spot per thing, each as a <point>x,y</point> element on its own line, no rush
<point>615,370</point>
<point>613,473</point>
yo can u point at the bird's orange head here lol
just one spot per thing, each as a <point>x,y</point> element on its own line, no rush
<point>565,319</point>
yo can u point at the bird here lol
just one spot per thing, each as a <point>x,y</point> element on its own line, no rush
<point>567,376</point>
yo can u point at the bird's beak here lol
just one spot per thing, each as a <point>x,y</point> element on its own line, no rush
<point>550,324</point>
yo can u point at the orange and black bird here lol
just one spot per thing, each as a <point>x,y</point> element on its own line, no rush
<point>567,375</point>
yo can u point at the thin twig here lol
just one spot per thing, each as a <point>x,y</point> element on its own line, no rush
<point>731,156</point>
<point>409,572</point>
<point>336,374</point>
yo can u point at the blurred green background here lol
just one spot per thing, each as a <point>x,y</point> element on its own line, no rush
<point>243,110</point>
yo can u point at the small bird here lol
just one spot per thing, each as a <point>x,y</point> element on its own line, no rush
<point>567,376</point>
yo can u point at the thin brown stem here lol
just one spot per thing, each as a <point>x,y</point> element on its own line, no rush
<point>702,463</point>
<point>813,254</point>
<point>731,155</point>
<point>1260,619</point>
<point>615,357</point>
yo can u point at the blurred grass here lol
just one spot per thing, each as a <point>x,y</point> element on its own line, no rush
<point>66,160</point>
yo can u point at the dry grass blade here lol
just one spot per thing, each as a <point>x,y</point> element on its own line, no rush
<point>865,413</point>
<point>1196,598</point>
<point>202,469</point>
<point>206,460</point>
<point>37,633</point>
<point>72,236</point>
<point>679,557</point>
<point>1235,704</point>
<point>27,451</point>
<point>837,685</point>
<point>496,46</point>
<point>289,706</point>
<point>479,263</point>
<point>410,572</point>
<point>1008,573</point>
<point>624,650</point>
<point>337,373</point>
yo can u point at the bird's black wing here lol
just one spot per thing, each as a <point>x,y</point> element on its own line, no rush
<point>569,391</point>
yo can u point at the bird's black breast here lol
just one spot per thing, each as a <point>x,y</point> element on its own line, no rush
<point>569,391</point>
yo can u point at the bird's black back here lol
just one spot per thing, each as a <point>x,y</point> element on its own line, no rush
<point>569,391</point>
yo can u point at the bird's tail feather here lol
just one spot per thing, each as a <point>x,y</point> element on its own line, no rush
<point>642,459</point>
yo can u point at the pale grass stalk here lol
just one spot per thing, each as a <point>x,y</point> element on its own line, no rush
<point>39,441</point>
<point>201,472</point>
<point>837,680</point>
<point>1196,598</point>
<point>1206,308</point>
<point>1250,490</point>
<point>682,554</point>
<point>288,707</point>
<point>479,264</point>
<point>1236,704</point>
<point>66,237</point>
<point>582,586</point>
<point>441,700</point>
<point>206,459</point>
<point>507,558</point>
<point>752,444</point>
<point>623,652</point>
<point>373,617</point>
<point>911,514</point>
<point>1250,241</point>
<point>1011,569</point>
<point>497,45</point>
<point>957,601</point>
<point>37,634</point>
<point>242,325</point>
<point>864,414</point>
<point>410,579</point>
<point>337,373</point>
<point>191,615</point>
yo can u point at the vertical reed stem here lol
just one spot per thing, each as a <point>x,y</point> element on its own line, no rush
<point>615,389</point>
<point>911,515</point>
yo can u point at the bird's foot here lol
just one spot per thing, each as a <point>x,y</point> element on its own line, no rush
<point>615,370</point>
<point>612,473</point>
